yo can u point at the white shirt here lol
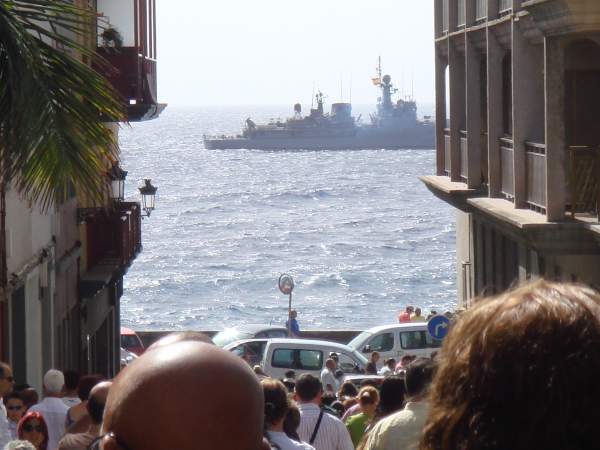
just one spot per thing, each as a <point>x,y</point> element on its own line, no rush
<point>54,412</point>
<point>386,371</point>
<point>280,439</point>
<point>327,377</point>
<point>332,434</point>
<point>401,430</point>
<point>71,401</point>
<point>5,436</point>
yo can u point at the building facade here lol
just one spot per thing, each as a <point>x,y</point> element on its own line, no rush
<point>65,267</point>
<point>517,143</point>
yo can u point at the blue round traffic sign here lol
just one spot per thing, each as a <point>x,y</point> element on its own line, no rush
<point>438,327</point>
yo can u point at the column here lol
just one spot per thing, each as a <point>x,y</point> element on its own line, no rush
<point>440,105</point>
<point>495,132</point>
<point>473,109</point>
<point>457,105</point>
<point>556,145</point>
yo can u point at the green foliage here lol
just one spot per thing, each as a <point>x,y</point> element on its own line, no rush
<point>51,103</point>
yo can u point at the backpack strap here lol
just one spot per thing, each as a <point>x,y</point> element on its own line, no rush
<point>316,430</point>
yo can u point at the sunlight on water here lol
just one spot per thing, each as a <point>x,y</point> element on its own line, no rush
<point>359,232</point>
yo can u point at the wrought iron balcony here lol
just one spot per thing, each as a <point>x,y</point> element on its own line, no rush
<point>112,235</point>
<point>507,169</point>
<point>536,176</point>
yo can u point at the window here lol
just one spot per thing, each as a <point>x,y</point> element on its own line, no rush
<point>346,363</point>
<point>382,343</point>
<point>431,342</point>
<point>311,359</point>
<point>297,359</point>
<point>411,340</point>
<point>276,334</point>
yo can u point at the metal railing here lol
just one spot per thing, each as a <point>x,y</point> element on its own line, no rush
<point>507,186</point>
<point>584,179</point>
<point>114,234</point>
<point>481,10</point>
<point>504,6</point>
<point>464,156</point>
<point>445,16</point>
<point>447,158</point>
<point>461,13</point>
<point>535,162</point>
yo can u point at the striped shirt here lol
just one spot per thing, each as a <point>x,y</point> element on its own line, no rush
<point>332,434</point>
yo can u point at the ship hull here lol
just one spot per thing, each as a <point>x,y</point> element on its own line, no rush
<point>366,138</point>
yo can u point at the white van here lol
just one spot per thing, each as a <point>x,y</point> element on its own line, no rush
<point>395,341</point>
<point>308,356</point>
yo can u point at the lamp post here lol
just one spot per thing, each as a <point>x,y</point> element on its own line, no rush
<point>148,192</point>
<point>286,286</point>
<point>117,182</point>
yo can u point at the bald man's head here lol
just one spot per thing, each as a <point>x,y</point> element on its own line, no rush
<point>185,396</point>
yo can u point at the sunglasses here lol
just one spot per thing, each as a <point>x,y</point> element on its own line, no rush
<point>27,428</point>
<point>14,408</point>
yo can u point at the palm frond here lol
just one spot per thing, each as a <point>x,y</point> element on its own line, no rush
<point>51,104</point>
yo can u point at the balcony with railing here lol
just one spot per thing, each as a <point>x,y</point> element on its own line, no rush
<point>535,162</point>
<point>464,157</point>
<point>480,10</point>
<point>504,6</point>
<point>445,15</point>
<point>584,180</point>
<point>507,179</point>
<point>447,157</point>
<point>112,236</point>
<point>127,40</point>
<point>461,13</point>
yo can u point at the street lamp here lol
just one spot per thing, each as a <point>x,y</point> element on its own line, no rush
<point>286,286</point>
<point>148,192</point>
<point>117,182</point>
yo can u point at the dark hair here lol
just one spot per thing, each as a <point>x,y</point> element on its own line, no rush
<point>3,367</point>
<point>347,390</point>
<point>289,384</point>
<point>71,379</point>
<point>86,383</point>
<point>338,407</point>
<point>276,400</point>
<point>13,396</point>
<point>391,395</point>
<point>95,409</point>
<point>290,374</point>
<point>308,387</point>
<point>292,422</point>
<point>30,397</point>
<point>328,398</point>
<point>418,376</point>
<point>519,371</point>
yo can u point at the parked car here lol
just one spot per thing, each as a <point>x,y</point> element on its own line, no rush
<point>395,341</point>
<point>358,379</point>
<point>250,331</point>
<point>130,341</point>
<point>252,350</point>
<point>308,356</point>
<point>127,357</point>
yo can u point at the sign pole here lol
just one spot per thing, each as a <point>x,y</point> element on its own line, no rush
<point>286,286</point>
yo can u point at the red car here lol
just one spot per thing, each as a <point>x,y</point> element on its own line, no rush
<point>130,341</point>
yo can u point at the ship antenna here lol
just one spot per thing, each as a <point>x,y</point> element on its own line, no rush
<point>379,67</point>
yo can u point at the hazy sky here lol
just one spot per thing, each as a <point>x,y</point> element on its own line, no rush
<point>240,52</point>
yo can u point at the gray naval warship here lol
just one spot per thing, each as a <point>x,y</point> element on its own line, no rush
<point>394,125</point>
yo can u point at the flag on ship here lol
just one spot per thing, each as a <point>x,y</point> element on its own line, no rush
<point>376,81</point>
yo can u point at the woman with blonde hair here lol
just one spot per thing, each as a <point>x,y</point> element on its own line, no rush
<point>518,372</point>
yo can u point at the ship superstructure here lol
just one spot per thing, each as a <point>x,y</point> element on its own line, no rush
<point>393,126</point>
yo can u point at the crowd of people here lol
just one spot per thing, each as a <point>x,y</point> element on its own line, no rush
<point>516,372</point>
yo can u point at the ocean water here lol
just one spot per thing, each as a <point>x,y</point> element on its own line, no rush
<point>357,230</point>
